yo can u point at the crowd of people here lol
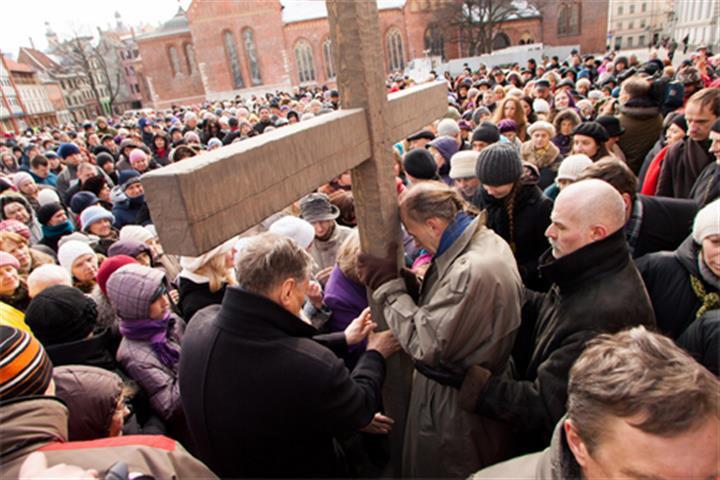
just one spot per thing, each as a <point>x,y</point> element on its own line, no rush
<point>556,286</point>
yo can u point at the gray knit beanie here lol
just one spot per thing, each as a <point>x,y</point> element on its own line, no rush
<point>499,164</point>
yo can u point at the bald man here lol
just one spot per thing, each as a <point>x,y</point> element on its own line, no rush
<point>596,289</point>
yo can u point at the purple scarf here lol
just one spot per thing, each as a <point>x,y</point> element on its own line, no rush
<point>155,331</point>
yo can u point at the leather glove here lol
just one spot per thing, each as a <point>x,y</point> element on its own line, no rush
<point>374,271</point>
<point>412,285</point>
<point>473,386</point>
<point>448,375</point>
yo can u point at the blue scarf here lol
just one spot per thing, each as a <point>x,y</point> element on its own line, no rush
<point>65,228</point>
<point>453,232</point>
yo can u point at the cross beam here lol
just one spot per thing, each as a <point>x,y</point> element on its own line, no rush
<point>200,202</point>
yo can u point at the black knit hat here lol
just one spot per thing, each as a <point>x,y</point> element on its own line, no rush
<point>103,158</point>
<point>499,164</point>
<point>486,132</point>
<point>46,212</point>
<point>419,163</point>
<point>593,130</point>
<point>611,124</point>
<point>61,314</point>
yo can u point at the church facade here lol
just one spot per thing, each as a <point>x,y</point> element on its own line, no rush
<point>220,49</point>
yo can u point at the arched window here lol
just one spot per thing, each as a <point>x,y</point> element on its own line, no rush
<point>174,60</point>
<point>526,39</point>
<point>252,58</point>
<point>190,58</point>
<point>569,19</point>
<point>233,60</point>
<point>304,61</point>
<point>500,41</point>
<point>328,59</point>
<point>396,59</point>
<point>434,41</point>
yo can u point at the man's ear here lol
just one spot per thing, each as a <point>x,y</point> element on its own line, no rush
<point>576,444</point>
<point>598,232</point>
<point>285,292</point>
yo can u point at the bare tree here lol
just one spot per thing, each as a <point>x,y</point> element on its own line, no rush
<point>473,24</point>
<point>92,60</point>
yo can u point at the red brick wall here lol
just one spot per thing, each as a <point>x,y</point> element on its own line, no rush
<point>181,88</point>
<point>208,21</point>
<point>593,25</point>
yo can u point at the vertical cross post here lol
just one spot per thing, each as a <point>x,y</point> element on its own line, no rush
<point>357,49</point>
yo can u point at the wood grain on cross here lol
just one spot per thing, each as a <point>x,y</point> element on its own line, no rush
<point>201,202</point>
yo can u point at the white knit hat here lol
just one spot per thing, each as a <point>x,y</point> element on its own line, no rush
<point>707,221</point>
<point>541,125</point>
<point>70,251</point>
<point>462,164</point>
<point>296,228</point>
<point>47,195</point>
<point>192,264</point>
<point>447,127</point>
<point>572,166</point>
<point>135,233</point>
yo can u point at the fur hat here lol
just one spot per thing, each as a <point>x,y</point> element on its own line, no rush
<point>541,125</point>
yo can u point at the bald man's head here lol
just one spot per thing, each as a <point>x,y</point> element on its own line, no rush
<point>584,212</point>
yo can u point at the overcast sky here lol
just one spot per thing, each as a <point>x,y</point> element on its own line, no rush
<point>26,18</point>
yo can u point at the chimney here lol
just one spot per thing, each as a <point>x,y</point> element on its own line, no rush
<point>32,44</point>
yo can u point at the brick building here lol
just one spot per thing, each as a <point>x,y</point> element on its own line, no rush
<point>25,101</point>
<point>221,49</point>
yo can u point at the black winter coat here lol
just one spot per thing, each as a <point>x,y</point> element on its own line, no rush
<point>196,296</point>
<point>595,290</point>
<point>666,223</point>
<point>707,185</point>
<point>263,398</point>
<point>682,166</point>
<point>531,217</point>
<point>667,279</point>
<point>702,341</point>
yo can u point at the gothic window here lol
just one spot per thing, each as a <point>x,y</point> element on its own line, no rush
<point>434,41</point>
<point>174,60</point>
<point>304,60</point>
<point>500,41</point>
<point>568,19</point>
<point>396,58</point>
<point>190,58</point>
<point>251,54</point>
<point>328,59</point>
<point>233,60</point>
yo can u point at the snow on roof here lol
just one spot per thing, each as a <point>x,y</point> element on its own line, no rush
<point>300,10</point>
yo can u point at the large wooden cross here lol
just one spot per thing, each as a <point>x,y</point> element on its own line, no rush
<point>201,202</point>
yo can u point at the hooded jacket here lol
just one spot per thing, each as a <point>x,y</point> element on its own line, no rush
<point>34,226</point>
<point>467,314</point>
<point>125,209</point>
<point>39,423</point>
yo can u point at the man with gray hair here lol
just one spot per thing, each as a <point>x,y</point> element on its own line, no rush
<point>635,401</point>
<point>595,289</point>
<point>262,396</point>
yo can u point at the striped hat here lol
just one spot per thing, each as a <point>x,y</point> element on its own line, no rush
<point>25,368</point>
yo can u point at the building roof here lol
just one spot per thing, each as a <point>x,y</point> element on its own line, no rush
<point>14,66</point>
<point>40,59</point>
<point>301,10</point>
<point>177,24</point>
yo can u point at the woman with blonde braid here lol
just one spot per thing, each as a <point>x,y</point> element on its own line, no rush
<point>516,208</point>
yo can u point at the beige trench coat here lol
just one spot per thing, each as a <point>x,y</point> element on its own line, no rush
<point>467,314</point>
